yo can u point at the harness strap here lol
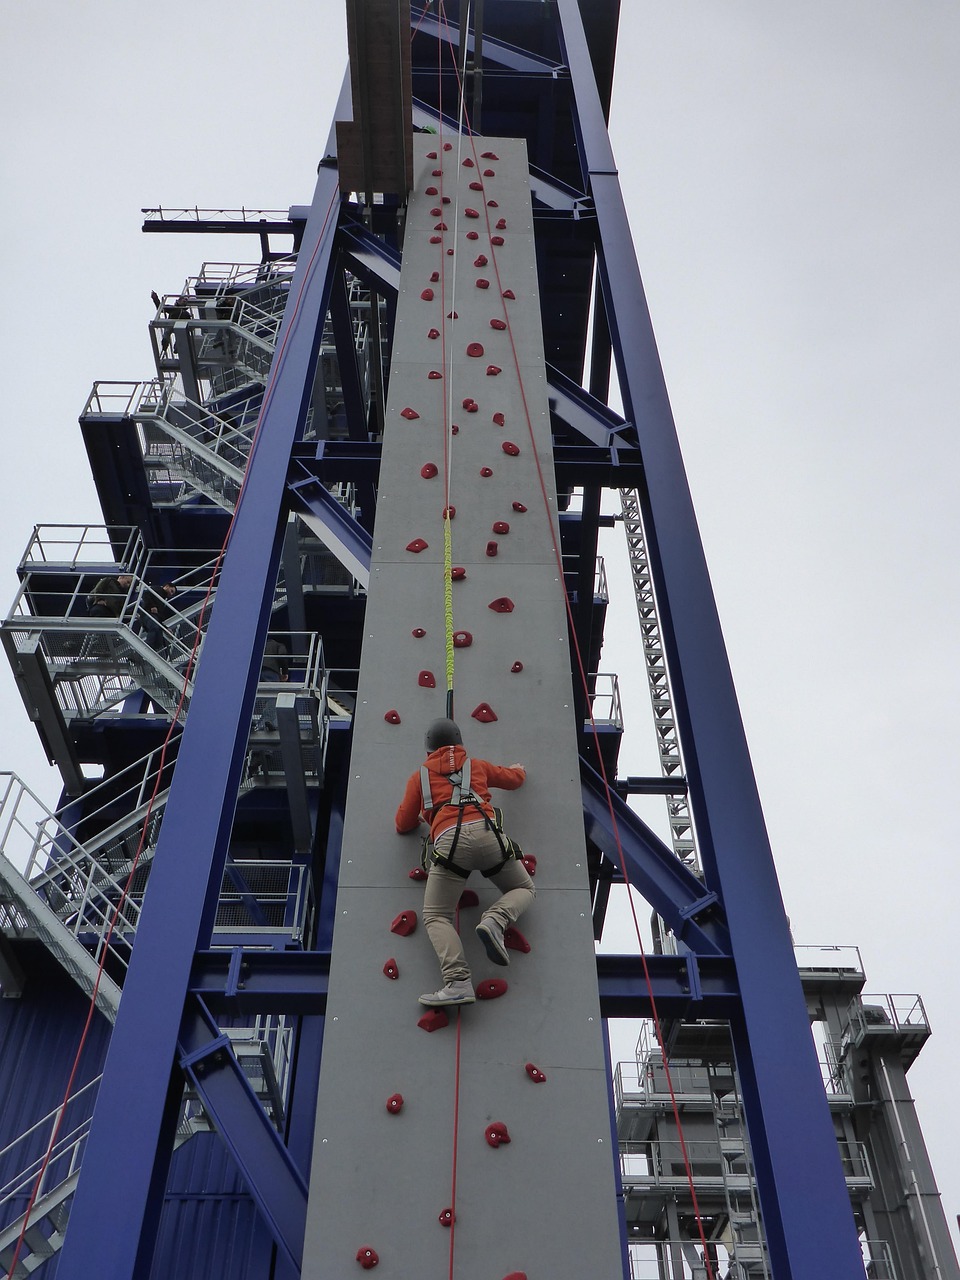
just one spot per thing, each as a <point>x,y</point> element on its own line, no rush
<point>461,796</point>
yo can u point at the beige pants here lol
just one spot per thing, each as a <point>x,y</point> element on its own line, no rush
<point>477,849</point>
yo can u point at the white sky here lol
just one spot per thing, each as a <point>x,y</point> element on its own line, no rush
<point>790,173</point>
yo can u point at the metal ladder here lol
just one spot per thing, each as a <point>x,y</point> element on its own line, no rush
<point>658,682</point>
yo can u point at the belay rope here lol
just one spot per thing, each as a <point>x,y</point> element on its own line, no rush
<point>462,796</point>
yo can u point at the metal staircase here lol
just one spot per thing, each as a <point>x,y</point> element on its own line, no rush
<point>66,892</point>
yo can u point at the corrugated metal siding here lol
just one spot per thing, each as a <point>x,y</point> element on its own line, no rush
<point>39,1037</point>
<point>209,1229</point>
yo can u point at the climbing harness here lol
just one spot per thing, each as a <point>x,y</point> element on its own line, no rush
<point>461,797</point>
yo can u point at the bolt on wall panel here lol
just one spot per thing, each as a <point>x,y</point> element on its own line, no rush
<point>546,1202</point>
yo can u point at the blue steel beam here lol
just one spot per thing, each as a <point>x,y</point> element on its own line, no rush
<point>785,1105</point>
<point>652,868</point>
<point>343,535</point>
<point>141,1081</point>
<point>276,1184</point>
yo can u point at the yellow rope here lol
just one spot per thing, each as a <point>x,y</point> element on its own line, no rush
<point>448,595</point>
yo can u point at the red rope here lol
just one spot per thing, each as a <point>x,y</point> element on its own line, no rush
<point>586,690</point>
<point>174,724</point>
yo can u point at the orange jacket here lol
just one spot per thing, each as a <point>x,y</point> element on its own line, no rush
<point>441,763</point>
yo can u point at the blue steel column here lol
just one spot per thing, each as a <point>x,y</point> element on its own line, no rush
<point>804,1200</point>
<point>120,1192</point>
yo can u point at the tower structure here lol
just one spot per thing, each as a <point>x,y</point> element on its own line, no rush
<point>229,939</point>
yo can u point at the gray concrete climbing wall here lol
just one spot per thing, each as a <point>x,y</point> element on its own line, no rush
<point>544,1205</point>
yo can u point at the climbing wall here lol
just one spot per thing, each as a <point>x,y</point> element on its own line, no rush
<point>414,1118</point>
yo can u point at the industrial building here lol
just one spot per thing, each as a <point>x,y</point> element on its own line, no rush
<point>362,489</point>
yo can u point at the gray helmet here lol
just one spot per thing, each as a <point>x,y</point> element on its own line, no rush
<point>442,733</point>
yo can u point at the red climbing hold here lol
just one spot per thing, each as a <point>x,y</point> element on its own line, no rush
<point>449,253</point>
<point>392,717</point>
<point>499,420</point>
<point>391,969</point>
<point>502,604</point>
<point>447,1218</point>
<point>449,512</point>
<point>468,163</point>
<point>516,1275</point>
<point>432,191</point>
<point>473,235</point>
<point>440,226</point>
<point>491,989</point>
<point>499,325</point>
<point>433,333</point>
<point>452,315</point>
<point>500,526</point>
<point>367,1257</point>
<point>481,261</point>
<point>434,277</point>
<point>454,430</point>
<point>470,213</point>
<point>436,173</point>
<point>427,295</point>
<point>436,212</point>
<point>493,370</point>
<point>462,639</point>
<point>486,155</point>
<point>418,633</point>
<point>395,1103</point>
<point>535,1074</point>
<point>514,940</point>
<point>427,680</point>
<point>429,470</point>
<point>404,924</point>
<point>468,899</point>
<point>509,447</point>
<point>491,549</point>
<point>444,199</point>
<point>529,860</point>
<point>470,405</point>
<point>517,668</point>
<point>476,186</point>
<point>431,155</point>
<point>486,472</point>
<point>433,1020</point>
<point>518,506</point>
<point>496,1134</point>
<point>417,545</point>
<point>501,224</point>
<point>434,375</point>
<point>410,414</point>
<point>483,284</point>
<point>508,293</point>
<point>475,349</point>
<point>496,240</point>
<point>448,146</point>
<point>458,573</point>
<point>489,173</point>
<point>417,873</point>
<point>493,204</point>
<point>436,239</point>
<point>484,713</point>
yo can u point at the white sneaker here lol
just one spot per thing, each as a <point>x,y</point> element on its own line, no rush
<point>490,933</point>
<point>453,993</point>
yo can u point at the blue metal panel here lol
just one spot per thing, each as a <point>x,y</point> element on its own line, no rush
<point>776,1051</point>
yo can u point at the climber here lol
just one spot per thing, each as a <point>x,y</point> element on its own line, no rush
<point>451,793</point>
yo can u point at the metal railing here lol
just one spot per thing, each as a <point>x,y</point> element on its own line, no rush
<point>265,899</point>
<point>605,701</point>
<point>66,1153</point>
<point>682,1259</point>
<point>895,1013</point>
<point>843,961</point>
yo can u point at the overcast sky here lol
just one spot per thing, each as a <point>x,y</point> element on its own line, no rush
<point>791,177</point>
